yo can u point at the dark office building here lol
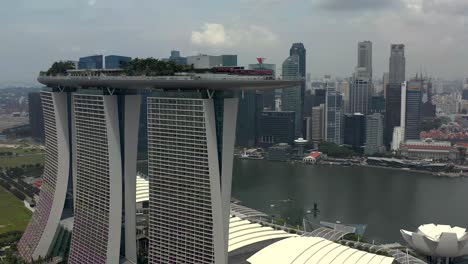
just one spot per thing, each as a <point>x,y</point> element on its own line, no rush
<point>465,94</point>
<point>229,60</point>
<point>269,100</point>
<point>299,50</point>
<point>413,110</point>
<point>275,127</point>
<point>355,131</point>
<point>320,96</point>
<point>392,110</point>
<point>308,103</point>
<point>116,62</point>
<point>377,104</point>
<point>250,106</point>
<point>90,62</point>
<point>36,119</point>
<point>428,111</point>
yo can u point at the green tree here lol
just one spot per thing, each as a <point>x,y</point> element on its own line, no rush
<point>60,67</point>
<point>333,150</point>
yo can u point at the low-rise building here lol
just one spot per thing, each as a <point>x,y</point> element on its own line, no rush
<point>429,149</point>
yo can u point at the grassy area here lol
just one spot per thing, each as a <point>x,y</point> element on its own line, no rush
<point>21,156</point>
<point>18,161</point>
<point>14,216</point>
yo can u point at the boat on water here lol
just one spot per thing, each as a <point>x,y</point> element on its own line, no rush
<point>255,157</point>
<point>251,154</point>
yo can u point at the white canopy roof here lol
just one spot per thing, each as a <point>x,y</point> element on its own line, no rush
<point>314,250</point>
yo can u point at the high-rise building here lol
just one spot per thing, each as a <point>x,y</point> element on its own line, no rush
<point>91,62</point>
<point>377,104</point>
<point>365,58</point>
<point>92,128</point>
<point>38,237</point>
<point>392,110</point>
<point>361,86</point>
<point>299,50</point>
<point>292,97</point>
<point>354,131</point>
<point>318,124</point>
<point>334,117</point>
<point>268,96</point>
<point>189,228</point>
<point>374,134</point>
<point>360,93</point>
<point>346,90</point>
<point>308,103</point>
<point>320,96</point>
<point>116,61</point>
<point>385,80</point>
<point>250,106</point>
<point>105,149</point>
<point>276,127</point>
<point>413,113</point>
<point>36,117</point>
<point>397,73</point>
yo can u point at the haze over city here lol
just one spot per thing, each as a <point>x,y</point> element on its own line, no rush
<point>37,33</point>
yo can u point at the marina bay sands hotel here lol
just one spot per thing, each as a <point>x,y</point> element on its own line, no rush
<point>91,127</point>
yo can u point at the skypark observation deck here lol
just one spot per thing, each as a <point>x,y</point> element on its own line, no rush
<point>92,135</point>
<point>215,82</point>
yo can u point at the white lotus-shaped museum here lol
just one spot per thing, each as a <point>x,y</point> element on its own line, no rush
<point>438,240</point>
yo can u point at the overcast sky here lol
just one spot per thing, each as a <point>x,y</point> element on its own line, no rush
<point>34,33</point>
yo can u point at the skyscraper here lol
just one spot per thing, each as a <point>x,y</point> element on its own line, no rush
<point>374,134</point>
<point>38,236</point>
<point>354,131</point>
<point>250,106</point>
<point>268,96</point>
<point>105,149</point>
<point>365,57</point>
<point>413,109</point>
<point>36,117</point>
<point>397,73</point>
<point>318,124</point>
<point>334,117</point>
<point>292,97</point>
<point>191,134</point>
<point>299,50</point>
<point>360,93</point>
<point>385,80</point>
<point>361,86</point>
<point>275,127</point>
<point>377,104</point>
<point>392,110</point>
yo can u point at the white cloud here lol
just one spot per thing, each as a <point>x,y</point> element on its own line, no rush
<point>211,35</point>
<point>216,35</point>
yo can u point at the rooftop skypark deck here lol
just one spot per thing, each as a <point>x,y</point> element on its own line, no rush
<point>220,79</point>
<point>228,83</point>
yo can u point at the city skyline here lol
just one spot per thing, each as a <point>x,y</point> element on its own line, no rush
<point>406,21</point>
